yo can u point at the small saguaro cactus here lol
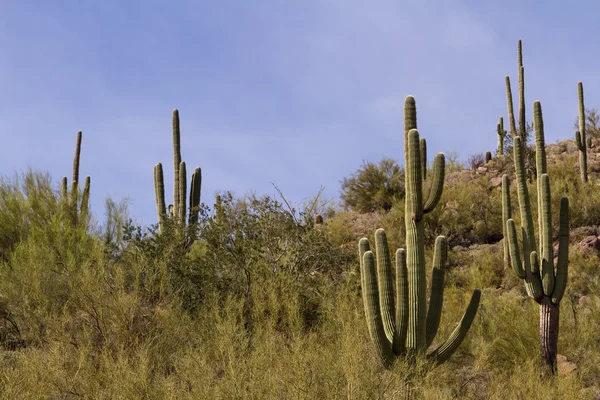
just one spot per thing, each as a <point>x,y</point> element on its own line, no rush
<point>177,210</point>
<point>71,199</point>
<point>580,136</point>
<point>488,156</point>
<point>501,135</point>
<point>547,286</point>
<point>319,219</point>
<point>404,327</point>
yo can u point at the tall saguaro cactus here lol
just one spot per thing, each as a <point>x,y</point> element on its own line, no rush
<point>401,325</point>
<point>177,210</point>
<point>71,199</point>
<point>545,286</point>
<point>580,136</point>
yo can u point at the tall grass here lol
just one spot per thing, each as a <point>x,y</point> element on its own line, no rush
<point>264,306</point>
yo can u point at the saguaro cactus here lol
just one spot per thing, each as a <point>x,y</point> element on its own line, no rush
<point>488,156</point>
<point>177,210</point>
<point>71,199</point>
<point>580,136</point>
<point>404,326</point>
<point>547,286</point>
<point>501,135</point>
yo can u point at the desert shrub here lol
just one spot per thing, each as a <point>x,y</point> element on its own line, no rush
<point>476,160</point>
<point>27,202</point>
<point>373,187</point>
<point>469,212</point>
<point>584,198</point>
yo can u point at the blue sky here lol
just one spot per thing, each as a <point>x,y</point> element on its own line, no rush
<point>295,93</point>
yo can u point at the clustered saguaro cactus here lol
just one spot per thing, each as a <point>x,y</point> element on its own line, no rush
<point>501,135</point>
<point>71,199</point>
<point>177,210</point>
<point>404,327</point>
<point>581,140</point>
<point>547,286</point>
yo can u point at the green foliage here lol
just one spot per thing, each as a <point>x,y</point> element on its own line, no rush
<point>592,123</point>
<point>373,187</point>
<point>82,313</point>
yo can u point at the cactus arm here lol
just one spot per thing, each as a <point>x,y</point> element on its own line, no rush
<point>437,185</point>
<point>74,193</point>
<point>76,158</point>
<point>373,312</point>
<point>562,266</point>
<point>506,215</point>
<point>385,284</point>
<point>513,246</point>
<point>578,141</point>
<point>86,197</point>
<point>159,191</point>
<point>546,236</point>
<point>64,192</point>
<point>443,352</point>
<point>540,145</point>
<point>522,125</point>
<point>195,195</point>
<point>401,303</point>
<point>423,148</point>
<point>182,192</point>
<point>540,163</point>
<point>363,247</point>
<point>436,299</point>
<point>511,114</point>
<point>582,139</point>
<point>176,164</point>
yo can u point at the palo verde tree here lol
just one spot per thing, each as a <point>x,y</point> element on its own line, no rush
<point>374,186</point>
<point>402,325</point>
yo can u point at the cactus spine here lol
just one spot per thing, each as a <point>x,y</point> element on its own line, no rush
<point>546,287</point>
<point>501,136</point>
<point>580,137</point>
<point>404,327</point>
<point>71,199</point>
<point>177,210</point>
